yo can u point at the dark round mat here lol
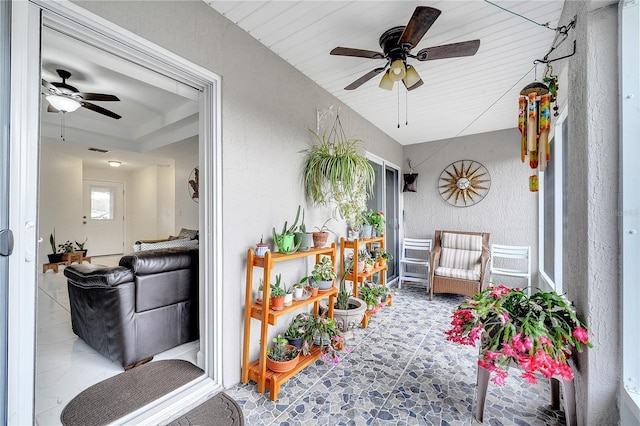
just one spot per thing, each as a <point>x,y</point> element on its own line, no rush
<point>120,395</point>
<point>221,410</point>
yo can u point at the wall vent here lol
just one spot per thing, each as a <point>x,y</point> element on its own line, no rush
<point>104,151</point>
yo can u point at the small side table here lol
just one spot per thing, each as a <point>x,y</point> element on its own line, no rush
<point>53,266</point>
<point>75,256</point>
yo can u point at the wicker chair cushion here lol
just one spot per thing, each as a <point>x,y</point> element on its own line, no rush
<point>462,241</point>
<point>461,274</point>
<point>460,259</point>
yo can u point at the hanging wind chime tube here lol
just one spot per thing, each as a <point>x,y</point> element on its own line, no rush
<point>534,123</point>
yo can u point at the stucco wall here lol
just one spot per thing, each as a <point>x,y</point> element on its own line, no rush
<point>509,211</point>
<point>592,273</point>
<point>267,109</point>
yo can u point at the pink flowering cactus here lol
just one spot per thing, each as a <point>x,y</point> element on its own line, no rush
<point>536,332</point>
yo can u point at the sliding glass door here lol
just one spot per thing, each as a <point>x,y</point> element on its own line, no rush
<point>386,198</point>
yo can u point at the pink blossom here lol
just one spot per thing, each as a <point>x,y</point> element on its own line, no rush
<point>581,334</point>
<point>544,340</point>
<point>505,317</point>
<point>529,377</point>
<point>499,377</point>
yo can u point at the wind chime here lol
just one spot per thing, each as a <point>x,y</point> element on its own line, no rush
<point>534,122</point>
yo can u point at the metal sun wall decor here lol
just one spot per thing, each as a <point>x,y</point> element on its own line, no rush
<point>464,183</point>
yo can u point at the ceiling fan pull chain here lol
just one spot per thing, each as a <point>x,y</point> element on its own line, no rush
<point>398,106</point>
<point>62,128</point>
<point>406,107</point>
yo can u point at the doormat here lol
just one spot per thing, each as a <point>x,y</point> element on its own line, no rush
<point>120,395</point>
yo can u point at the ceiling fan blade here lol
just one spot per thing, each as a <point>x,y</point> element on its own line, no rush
<point>359,53</point>
<point>50,87</point>
<point>100,110</point>
<point>422,19</point>
<point>415,86</point>
<point>368,76</point>
<point>454,50</point>
<point>98,97</point>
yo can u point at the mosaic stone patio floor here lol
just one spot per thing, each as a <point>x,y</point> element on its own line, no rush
<point>401,372</point>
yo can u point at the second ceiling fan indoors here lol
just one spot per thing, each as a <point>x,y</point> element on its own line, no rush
<point>397,43</point>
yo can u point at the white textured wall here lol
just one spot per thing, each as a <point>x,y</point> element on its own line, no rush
<point>166,200</point>
<point>509,211</point>
<point>60,198</point>
<point>143,205</point>
<point>267,107</point>
<point>592,275</point>
<point>186,210</point>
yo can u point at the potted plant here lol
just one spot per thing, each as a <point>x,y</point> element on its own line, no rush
<point>298,291</point>
<point>285,240</point>
<point>366,227</point>
<point>277,295</point>
<point>377,221</point>
<point>320,237</point>
<point>288,296</point>
<point>363,257</point>
<point>80,247</point>
<point>54,257</point>
<point>335,171</point>
<point>322,332</point>
<point>384,257</point>
<point>370,296</point>
<point>538,332</point>
<point>302,238</point>
<point>295,331</point>
<point>312,286</point>
<point>282,357</point>
<point>348,311</point>
<point>324,273</point>
<point>259,292</point>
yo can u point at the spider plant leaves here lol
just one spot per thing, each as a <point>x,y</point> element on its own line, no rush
<point>335,168</point>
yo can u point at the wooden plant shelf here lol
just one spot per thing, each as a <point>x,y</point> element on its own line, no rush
<point>257,370</point>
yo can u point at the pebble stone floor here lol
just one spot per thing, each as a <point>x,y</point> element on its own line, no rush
<point>401,371</point>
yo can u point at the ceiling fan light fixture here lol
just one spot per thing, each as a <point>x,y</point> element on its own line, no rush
<point>386,82</point>
<point>114,163</point>
<point>411,77</point>
<point>397,70</point>
<point>63,103</point>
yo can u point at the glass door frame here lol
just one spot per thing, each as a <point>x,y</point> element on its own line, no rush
<point>398,226</point>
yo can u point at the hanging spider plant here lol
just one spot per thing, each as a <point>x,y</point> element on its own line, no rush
<point>336,171</point>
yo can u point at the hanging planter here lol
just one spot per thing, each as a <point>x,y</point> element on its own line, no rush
<point>336,171</point>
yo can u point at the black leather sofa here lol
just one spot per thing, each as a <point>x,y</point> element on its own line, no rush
<point>136,310</point>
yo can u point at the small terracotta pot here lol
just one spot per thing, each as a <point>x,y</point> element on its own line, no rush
<point>313,291</point>
<point>277,303</point>
<point>282,366</point>
<point>320,239</point>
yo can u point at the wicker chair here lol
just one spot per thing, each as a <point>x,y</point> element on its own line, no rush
<point>458,262</point>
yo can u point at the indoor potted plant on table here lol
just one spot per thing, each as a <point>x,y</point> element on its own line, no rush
<point>54,257</point>
<point>282,357</point>
<point>348,311</point>
<point>302,238</point>
<point>377,221</point>
<point>80,247</point>
<point>537,333</point>
<point>322,332</point>
<point>321,235</point>
<point>295,332</point>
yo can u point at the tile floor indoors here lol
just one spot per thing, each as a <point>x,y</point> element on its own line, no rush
<point>65,365</point>
<point>401,372</point>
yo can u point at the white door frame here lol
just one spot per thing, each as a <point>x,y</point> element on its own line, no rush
<point>23,195</point>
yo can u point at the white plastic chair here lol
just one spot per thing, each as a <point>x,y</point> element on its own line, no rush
<point>517,253</point>
<point>411,248</point>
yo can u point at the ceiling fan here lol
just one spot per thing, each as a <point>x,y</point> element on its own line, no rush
<point>63,97</point>
<point>396,44</point>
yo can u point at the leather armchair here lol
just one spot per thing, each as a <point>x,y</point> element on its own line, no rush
<point>144,306</point>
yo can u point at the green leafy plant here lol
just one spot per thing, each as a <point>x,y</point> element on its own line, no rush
<point>52,241</point>
<point>536,332</point>
<point>297,327</point>
<point>276,290</point>
<point>324,227</point>
<point>335,171</point>
<point>66,247</point>
<point>385,255</point>
<point>287,233</point>
<point>342,300</point>
<point>280,351</point>
<point>80,246</point>
<point>324,331</point>
<point>324,270</point>
<point>375,219</point>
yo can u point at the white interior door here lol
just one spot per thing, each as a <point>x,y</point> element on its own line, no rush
<point>103,217</point>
